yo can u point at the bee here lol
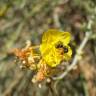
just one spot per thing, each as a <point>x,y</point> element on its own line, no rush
<point>63,49</point>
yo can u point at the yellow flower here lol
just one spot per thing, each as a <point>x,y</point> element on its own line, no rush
<point>54,47</point>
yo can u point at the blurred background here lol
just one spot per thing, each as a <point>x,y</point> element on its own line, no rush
<point>22,20</point>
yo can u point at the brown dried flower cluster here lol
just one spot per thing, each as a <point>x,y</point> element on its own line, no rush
<point>32,61</point>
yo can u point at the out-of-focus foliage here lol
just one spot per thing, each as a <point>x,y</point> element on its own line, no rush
<point>22,20</point>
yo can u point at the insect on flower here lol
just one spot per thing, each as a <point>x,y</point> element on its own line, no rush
<point>55,48</point>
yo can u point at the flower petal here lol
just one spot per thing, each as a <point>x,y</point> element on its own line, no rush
<point>65,38</point>
<point>53,35</point>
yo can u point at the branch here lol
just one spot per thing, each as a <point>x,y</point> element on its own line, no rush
<point>79,51</point>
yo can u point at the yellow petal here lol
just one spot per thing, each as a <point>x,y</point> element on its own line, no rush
<point>50,36</point>
<point>53,58</point>
<point>44,49</point>
<point>65,38</point>
<point>53,35</point>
